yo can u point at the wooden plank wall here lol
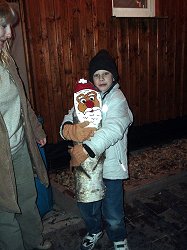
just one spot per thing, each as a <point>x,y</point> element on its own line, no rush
<point>151,53</point>
<point>62,36</point>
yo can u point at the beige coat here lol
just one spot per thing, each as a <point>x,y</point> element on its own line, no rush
<point>33,132</point>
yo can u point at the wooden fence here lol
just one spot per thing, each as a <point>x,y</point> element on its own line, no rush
<point>62,36</point>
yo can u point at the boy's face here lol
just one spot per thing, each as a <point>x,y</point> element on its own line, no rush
<point>102,79</point>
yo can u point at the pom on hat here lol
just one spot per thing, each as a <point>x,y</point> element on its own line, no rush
<point>83,84</point>
<point>103,61</point>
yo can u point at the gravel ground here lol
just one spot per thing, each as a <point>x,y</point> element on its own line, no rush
<point>145,165</point>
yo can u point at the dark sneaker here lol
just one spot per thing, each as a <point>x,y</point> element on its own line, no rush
<point>44,245</point>
<point>90,240</point>
<point>121,245</point>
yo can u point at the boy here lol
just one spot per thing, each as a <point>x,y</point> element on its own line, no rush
<point>111,138</point>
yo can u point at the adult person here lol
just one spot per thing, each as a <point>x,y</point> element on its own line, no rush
<point>20,131</point>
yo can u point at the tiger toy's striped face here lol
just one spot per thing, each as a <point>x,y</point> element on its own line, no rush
<point>88,106</point>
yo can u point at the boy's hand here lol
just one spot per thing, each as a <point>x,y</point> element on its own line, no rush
<point>78,155</point>
<point>78,132</point>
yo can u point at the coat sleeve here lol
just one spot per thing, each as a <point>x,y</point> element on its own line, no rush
<point>35,124</point>
<point>67,119</point>
<point>118,118</point>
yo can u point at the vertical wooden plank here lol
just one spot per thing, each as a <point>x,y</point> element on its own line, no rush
<point>52,63</point>
<point>24,23</point>
<point>117,53</point>
<point>134,67</point>
<point>39,89</point>
<point>128,86</point>
<point>87,35</point>
<point>170,81</point>
<point>64,54</point>
<point>113,40</point>
<point>162,74</point>
<point>74,32</point>
<point>61,35</point>
<point>95,26</point>
<point>179,60</point>
<point>102,20</point>
<point>184,62</point>
<point>44,83</point>
<point>123,55</point>
<point>29,29</point>
<point>152,72</point>
<point>143,61</point>
<point>65,63</point>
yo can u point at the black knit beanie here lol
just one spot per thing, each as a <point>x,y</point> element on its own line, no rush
<point>103,61</point>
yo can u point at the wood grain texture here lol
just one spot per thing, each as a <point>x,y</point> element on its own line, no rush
<point>151,54</point>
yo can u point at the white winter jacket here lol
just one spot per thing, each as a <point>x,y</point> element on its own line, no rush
<point>111,138</point>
